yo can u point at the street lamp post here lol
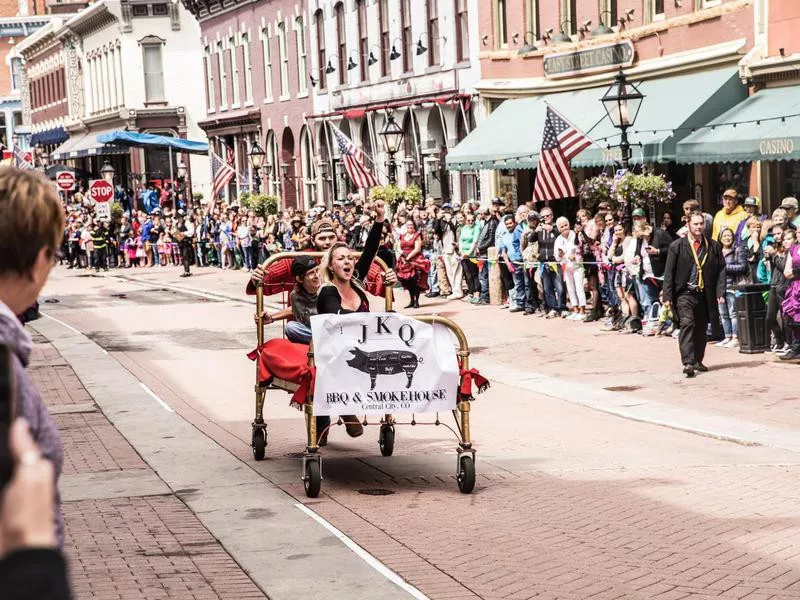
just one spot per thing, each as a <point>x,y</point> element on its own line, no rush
<point>392,136</point>
<point>622,102</point>
<point>107,172</point>
<point>257,156</point>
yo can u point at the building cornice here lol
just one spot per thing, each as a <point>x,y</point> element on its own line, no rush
<point>202,10</point>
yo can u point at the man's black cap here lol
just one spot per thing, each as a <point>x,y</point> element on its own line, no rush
<point>302,265</point>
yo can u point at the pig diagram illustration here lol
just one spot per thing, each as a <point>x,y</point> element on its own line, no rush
<point>384,362</point>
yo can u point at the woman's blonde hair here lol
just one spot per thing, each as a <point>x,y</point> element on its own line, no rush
<point>326,272</point>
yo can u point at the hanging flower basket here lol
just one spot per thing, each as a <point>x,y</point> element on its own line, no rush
<point>642,191</point>
<point>596,190</point>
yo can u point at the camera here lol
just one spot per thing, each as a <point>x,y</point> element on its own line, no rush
<point>7,412</point>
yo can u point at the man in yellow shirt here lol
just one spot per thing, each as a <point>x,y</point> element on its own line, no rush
<point>730,215</point>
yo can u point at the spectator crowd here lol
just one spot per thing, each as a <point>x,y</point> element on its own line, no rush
<point>593,268</point>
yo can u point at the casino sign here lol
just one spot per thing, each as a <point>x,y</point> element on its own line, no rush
<point>590,60</point>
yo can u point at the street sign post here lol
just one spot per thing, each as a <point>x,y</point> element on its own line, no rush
<point>102,192</point>
<point>65,181</point>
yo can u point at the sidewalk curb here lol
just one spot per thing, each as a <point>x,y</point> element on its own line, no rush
<point>644,410</point>
<point>256,522</point>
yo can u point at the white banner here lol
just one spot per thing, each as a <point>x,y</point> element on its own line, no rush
<point>379,363</point>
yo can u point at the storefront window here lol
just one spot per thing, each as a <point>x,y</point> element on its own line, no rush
<point>790,185</point>
<point>729,176</point>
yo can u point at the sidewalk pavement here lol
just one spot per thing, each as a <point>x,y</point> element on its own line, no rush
<point>155,509</point>
<point>127,535</point>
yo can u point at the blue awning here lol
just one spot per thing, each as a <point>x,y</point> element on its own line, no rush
<point>57,135</point>
<point>120,137</point>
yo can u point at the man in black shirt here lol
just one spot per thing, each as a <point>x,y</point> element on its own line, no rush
<point>550,268</point>
<point>486,241</point>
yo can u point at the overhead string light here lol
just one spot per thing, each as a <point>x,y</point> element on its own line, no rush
<point>692,129</point>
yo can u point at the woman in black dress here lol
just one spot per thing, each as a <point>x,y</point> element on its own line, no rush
<point>342,292</point>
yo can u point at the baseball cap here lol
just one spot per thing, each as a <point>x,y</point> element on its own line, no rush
<point>320,226</point>
<point>639,212</point>
<point>751,201</point>
<point>534,216</point>
<point>789,203</point>
<point>446,205</point>
<point>498,202</point>
<point>302,265</point>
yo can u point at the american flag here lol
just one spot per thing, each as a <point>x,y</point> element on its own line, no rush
<point>23,159</point>
<point>221,173</point>
<point>354,161</point>
<point>561,142</point>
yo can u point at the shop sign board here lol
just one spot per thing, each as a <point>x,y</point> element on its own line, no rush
<point>777,147</point>
<point>590,60</point>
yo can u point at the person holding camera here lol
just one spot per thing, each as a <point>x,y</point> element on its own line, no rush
<point>31,566</point>
<point>31,222</point>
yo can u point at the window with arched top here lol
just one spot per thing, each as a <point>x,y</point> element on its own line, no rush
<point>363,39</point>
<point>341,43</point>
<point>500,17</point>
<point>405,25</point>
<point>383,23</point>
<point>248,69</point>
<point>432,14</point>
<point>319,30</point>
<point>266,51</point>
<point>300,38</point>
<point>283,49</point>
<point>462,30</point>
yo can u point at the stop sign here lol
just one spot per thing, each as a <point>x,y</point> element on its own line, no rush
<point>101,191</point>
<point>65,181</point>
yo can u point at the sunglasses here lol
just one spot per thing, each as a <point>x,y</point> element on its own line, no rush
<point>728,197</point>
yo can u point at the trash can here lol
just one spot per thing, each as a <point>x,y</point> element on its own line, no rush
<point>751,317</point>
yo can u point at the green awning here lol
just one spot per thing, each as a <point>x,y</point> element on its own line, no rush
<point>511,137</point>
<point>765,140</point>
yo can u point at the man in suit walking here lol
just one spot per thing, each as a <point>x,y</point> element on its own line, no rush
<point>694,283</point>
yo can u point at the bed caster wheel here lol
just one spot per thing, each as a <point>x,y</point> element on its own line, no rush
<point>312,478</point>
<point>386,440</point>
<point>259,443</point>
<point>466,473</point>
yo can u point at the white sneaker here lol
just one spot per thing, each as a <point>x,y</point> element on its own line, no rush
<point>734,343</point>
<point>565,314</point>
<point>782,349</point>
<point>723,343</point>
<point>455,296</point>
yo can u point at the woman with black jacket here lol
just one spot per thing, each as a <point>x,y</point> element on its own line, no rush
<point>342,292</point>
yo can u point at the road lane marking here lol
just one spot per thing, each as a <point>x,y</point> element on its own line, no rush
<point>153,395</point>
<point>364,555</point>
<point>71,328</point>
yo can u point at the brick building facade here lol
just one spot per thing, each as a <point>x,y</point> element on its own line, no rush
<point>551,49</point>
<point>257,89</point>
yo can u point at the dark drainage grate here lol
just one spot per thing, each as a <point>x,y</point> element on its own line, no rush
<point>294,455</point>
<point>119,295</point>
<point>376,492</point>
<point>623,388</point>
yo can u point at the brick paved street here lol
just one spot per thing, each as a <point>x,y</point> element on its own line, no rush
<point>134,547</point>
<point>571,503</point>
